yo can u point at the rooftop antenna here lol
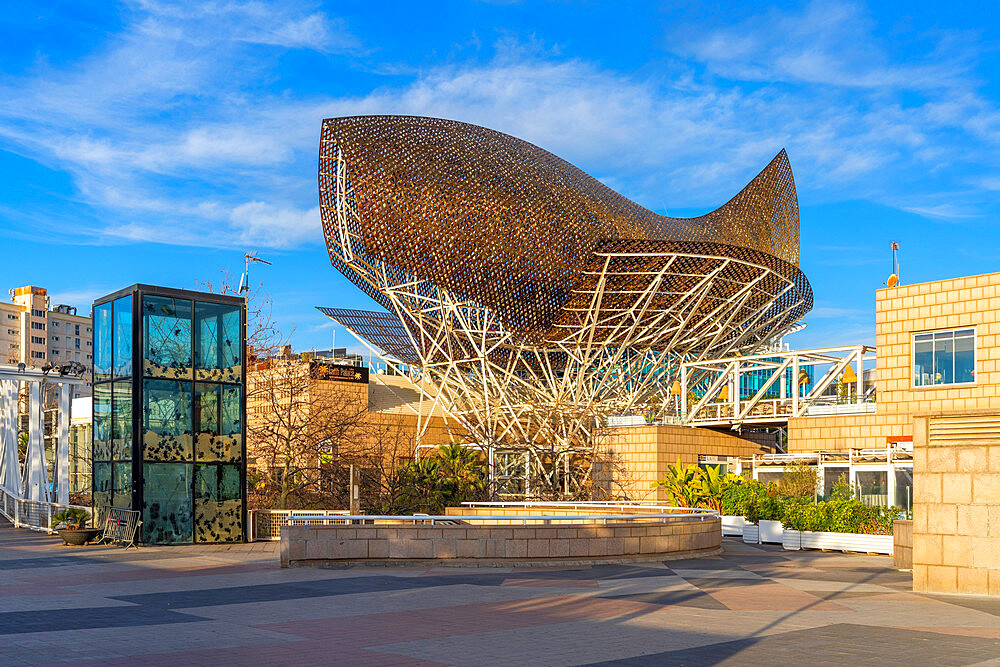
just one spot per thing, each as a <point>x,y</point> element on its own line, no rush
<point>894,277</point>
<point>251,258</point>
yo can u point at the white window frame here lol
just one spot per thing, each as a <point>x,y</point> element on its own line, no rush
<point>913,359</point>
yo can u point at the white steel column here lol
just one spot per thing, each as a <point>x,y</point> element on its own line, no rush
<point>10,466</point>
<point>62,445</point>
<point>890,477</point>
<point>35,477</point>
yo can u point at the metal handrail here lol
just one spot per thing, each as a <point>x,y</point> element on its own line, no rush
<point>582,503</point>
<point>17,511</point>
<point>544,519</point>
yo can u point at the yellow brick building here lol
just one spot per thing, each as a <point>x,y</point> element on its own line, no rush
<point>901,314</point>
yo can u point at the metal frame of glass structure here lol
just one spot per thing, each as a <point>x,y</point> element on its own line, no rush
<point>169,412</point>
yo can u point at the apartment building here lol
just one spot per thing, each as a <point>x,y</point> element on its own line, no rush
<point>34,333</point>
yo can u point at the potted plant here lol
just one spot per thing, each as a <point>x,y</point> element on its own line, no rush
<point>74,529</point>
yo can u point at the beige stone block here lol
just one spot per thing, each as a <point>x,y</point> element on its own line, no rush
<point>973,581</point>
<point>956,488</point>
<point>927,488</point>
<point>317,549</point>
<point>491,548</point>
<point>919,577</point>
<point>538,548</point>
<point>398,548</point>
<point>986,488</point>
<point>926,549</point>
<point>579,547</point>
<point>973,519</point>
<point>445,547</point>
<point>986,552</point>
<point>994,582</point>
<point>559,548</point>
<point>378,548</point>
<point>957,550</point>
<point>515,548</point>
<point>942,578</point>
<point>919,518</point>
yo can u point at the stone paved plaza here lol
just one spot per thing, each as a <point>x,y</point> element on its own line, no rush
<point>213,605</point>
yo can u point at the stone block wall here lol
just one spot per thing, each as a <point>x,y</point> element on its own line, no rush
<point>956,509</point>
<point>640,455</point>
<point>902,544</point>
<point>306,545</point>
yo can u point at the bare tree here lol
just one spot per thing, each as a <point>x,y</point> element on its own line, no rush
<point>299,428</point>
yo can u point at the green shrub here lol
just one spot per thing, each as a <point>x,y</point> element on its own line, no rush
<point>840,516</point>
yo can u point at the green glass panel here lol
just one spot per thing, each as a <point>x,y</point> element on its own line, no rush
<point>121,421</point>
<point>123,336</point>
<point>102,422</point>
<point>218,342</point>
<point>166,337</point>
<point>121,485</point>
<point>102,342</point>
<point>167,511</point>
<point>218,504</point>
<point>231,405</point>
<point>167,407</point>
<point>102,486</point>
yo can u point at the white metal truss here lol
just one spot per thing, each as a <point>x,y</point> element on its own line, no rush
<point>784,384</point>
<point>28,479</point>
<point>618,343</point>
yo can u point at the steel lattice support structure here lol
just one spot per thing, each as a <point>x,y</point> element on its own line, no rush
<point>534,300</point>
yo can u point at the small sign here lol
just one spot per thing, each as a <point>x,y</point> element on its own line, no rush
<point>343,373</point>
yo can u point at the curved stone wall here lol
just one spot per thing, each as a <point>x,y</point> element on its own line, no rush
<point>539,544</point>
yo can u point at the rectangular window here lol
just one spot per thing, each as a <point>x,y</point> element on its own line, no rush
<point>122,315</point>
<point>78,347</point>
<point>55,324</point>
<point>102,357</point>
<point>944,358</point>
<point>167,420</point>
<point>78,326</point>
<point>55,338</point>
<point>37,340</point>
<point>37,313</point>
<point>166,327</point>
<point>217,342</point>
<point>38,325</point>
<point>37,355</point>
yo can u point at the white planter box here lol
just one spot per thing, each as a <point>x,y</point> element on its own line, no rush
<point>732,525</point>
<point>771,532</point>
<point>879,544</point>
<point>751,534</point>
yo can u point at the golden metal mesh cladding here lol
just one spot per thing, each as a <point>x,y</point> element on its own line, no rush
<point>497,220</point>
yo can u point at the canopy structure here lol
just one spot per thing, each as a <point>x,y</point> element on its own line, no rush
<point>535,299</point>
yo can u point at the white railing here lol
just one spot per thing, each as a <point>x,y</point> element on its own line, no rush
<point>31,514</point>
<point>786,384</point>
<point>664,513</point>
<point>500,519</point>
<point>265,525</point>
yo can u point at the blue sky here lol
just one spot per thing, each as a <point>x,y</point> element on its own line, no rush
<point>157,142</point>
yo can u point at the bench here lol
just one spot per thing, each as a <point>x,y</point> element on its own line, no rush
<point>120,526</point>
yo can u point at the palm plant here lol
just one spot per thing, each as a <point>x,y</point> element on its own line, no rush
<point>681,485</point>
<point>712,483</point>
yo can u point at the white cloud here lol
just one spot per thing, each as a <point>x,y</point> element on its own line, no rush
<point>166,130</point>
<point>260,223</point>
